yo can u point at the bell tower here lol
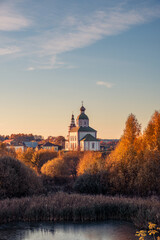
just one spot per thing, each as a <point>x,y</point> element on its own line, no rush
<point>72,122</point>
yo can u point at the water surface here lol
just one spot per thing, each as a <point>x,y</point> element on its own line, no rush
<point>108,230</point>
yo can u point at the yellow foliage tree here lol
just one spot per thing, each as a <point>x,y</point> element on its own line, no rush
<point>55,168</point>
<point>152,133</point>
<point>122,162</point>
<point>91,163</point>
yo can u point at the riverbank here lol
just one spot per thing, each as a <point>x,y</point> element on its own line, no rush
<point>80,208</point>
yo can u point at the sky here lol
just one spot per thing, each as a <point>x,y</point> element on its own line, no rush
<point>54,54</point>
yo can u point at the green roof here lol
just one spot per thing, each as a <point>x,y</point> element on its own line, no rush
<point>86,129</point>
<point>89,137</point>
<point>82,116</point>
<point>82,129</point>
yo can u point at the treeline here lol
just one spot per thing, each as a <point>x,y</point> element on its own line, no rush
<point>132,169</point>
<point>21,137</point>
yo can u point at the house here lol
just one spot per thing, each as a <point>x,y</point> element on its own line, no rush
<point>16,146</point>
<point>49,145</point>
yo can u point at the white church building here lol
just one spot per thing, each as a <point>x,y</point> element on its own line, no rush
<point>80,135</point>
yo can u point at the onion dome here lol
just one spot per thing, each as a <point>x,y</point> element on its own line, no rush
<point>82,116</point>
<point>82,109</point>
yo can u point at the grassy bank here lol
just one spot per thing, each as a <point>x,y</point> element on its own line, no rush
<point>76,207</point>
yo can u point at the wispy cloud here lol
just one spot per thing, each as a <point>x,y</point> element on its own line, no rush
<point>106,84</point>
<point>93,28</point>
<point>30,69</point>
<point>46,46</point>
<point>9,50</point>
<point>11,20</point>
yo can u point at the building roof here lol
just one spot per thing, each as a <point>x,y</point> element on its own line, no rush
<point>8,141</point>
<point>89,137</point>
<point>49,144</point>
<point>86,129</point>
<point>31,144</point>
<point>82,129</point>
<point>82,116</point>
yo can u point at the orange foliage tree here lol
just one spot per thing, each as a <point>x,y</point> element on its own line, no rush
<point>91,163</point>
<point>122,162</point>
<point>55,168</point>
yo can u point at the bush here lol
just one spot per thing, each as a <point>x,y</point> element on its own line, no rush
<point>55,168</point>
<point>92,183</point>
<point>41,157</point>
<point>16,179</point>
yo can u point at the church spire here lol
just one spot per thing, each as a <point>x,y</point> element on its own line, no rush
<point>72,122</point>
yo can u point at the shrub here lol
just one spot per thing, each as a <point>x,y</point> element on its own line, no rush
<point>55,168</point>
<point>92,183</point>
<point>16,179</point>
<point>41,157</point>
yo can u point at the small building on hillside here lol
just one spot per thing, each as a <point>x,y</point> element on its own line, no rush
<point>16,146</point>
<point>80,135</point>
<point>50,146</point>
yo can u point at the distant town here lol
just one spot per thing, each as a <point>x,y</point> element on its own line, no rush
<point>81,137</point>
<point>23,141</point>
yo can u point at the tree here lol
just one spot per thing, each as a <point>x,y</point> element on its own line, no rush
<point>26,156</point>
<point>41,157</point>
<point>152,133</point>
<point>91,163</point>
<point>55,168</point>
<point>16,179</point>
<point>63,166</point>
<point>122,162</point>
<point>71,159</point>
<point>4,151</point>
<point>60,140</point>
<point>148,177</point>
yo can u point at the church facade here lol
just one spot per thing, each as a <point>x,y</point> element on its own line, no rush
<point>80,135</point>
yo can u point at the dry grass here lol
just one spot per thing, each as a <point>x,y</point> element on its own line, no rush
<point>76,207</point>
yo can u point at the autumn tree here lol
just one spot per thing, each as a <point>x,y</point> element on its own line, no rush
<point>26,156</point>
<point>122,162</point>
<point>60,140</point>
<point>4,151</point>
<point>63,166</point>
<point>55,168</point>
<point>152,133</point>
<point>91,163</point>
<point>72,159</point>
<point>148,174</point>
<point>41,157</point>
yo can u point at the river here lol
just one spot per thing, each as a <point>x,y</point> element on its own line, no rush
<point>109,230</point>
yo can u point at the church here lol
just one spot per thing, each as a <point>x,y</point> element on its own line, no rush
<point>80,135</point>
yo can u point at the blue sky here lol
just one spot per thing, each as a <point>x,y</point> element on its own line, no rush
<point>56,53</point>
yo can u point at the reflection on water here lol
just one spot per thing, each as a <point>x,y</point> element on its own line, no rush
<point>109,230</point>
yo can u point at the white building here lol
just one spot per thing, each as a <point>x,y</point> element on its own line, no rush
<point>81,136</point>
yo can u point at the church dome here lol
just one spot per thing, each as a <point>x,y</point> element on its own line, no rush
<point>82,116</point>
<point>82,109</point>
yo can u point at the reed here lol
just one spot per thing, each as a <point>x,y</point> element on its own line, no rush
<point>80,208</point>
